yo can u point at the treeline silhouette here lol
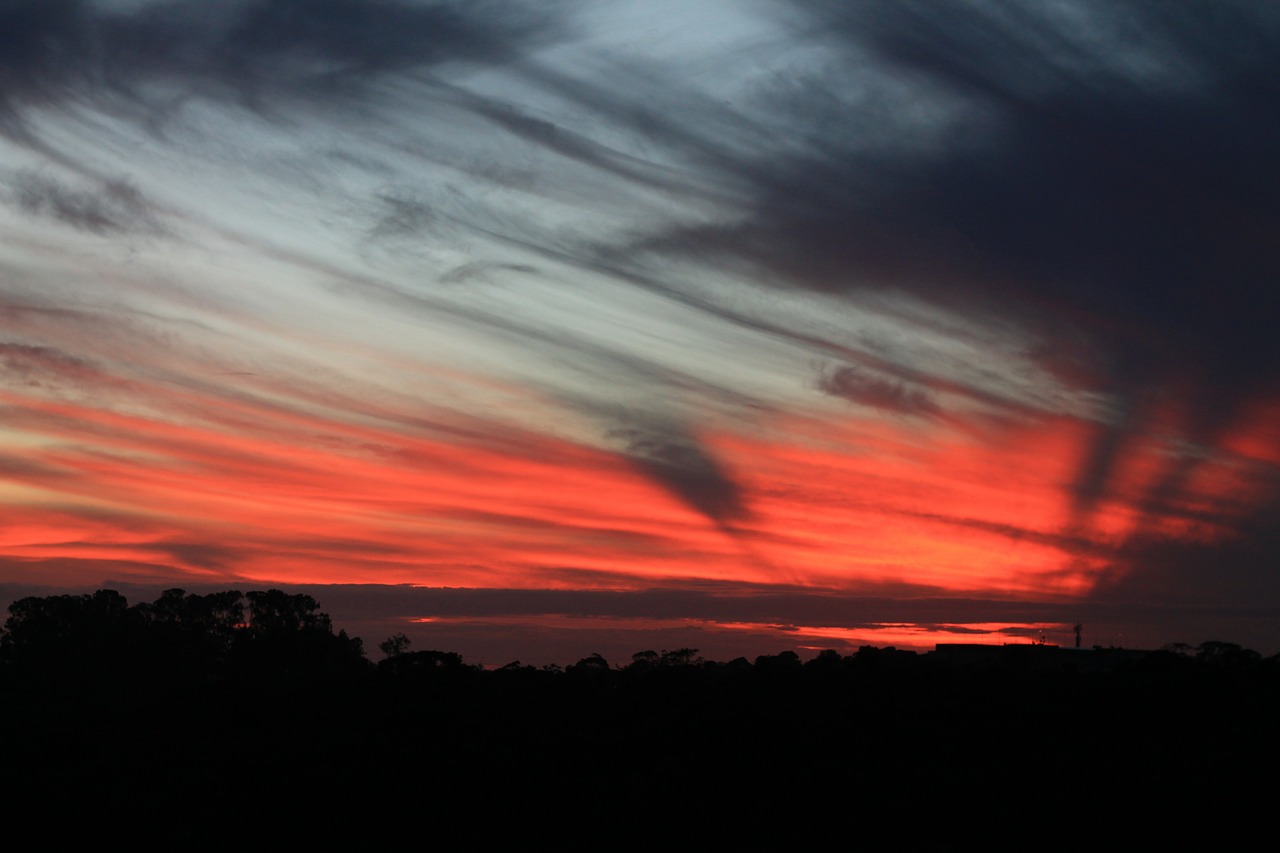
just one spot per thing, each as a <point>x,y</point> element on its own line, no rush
<point>204,703</point>
<point>78,641</point>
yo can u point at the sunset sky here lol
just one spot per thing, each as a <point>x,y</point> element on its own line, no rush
<point>562,327</point>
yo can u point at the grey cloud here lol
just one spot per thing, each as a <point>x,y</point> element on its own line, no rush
<point>957,629</point>
<point>1234,566</point>
<point>677,461</point>
<point>480,271</point>
<point>573,145</point>
<point>1108,171</point>
<point>36,365</point>
<point>1220,587</point>
<point>203,555</point>
<point>1076,545</point>
<point>22,469</point>
<point>400,216</point>
<point>858,386</point>
<point>726,602</point>
<point>710,601</point>
<point>567,349</point>
<point>114,207</point>
<point>38,39</point>
<point>246,50</point>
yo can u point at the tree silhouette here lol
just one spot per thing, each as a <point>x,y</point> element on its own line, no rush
<point>92,633</point>
<point>680,657</point>
<point>590,665</point>
<point>643,660</point>
<point>396,644</point>
<point>1231,655</point>
<point>277,612</point>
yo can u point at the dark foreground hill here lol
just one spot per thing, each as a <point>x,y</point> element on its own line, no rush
<point>220,717</point>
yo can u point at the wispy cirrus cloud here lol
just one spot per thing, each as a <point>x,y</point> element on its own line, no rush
<point>1028,167</point>
<point>249,50</point>
<point>971,298</point>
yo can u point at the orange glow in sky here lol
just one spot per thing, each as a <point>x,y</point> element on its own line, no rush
<point>304,500</point>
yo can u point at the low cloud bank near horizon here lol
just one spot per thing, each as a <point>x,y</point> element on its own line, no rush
<point>540,626</point>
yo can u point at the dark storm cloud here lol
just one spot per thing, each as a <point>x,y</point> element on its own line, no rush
<point>1078,186</point>
<point>1113,169</point>
<point>52,51</point>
